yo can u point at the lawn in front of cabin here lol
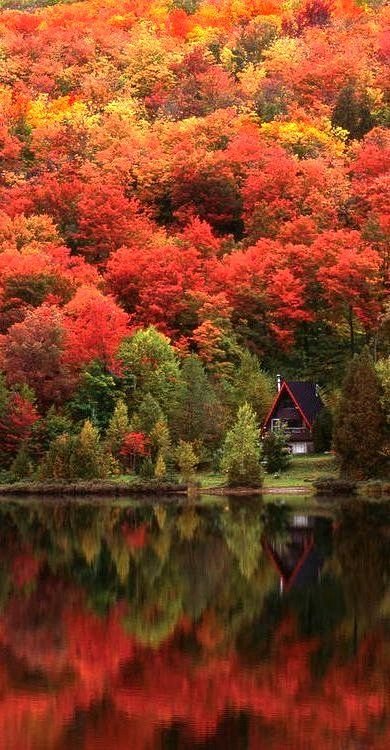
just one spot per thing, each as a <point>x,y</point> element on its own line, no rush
<point>302,472</point>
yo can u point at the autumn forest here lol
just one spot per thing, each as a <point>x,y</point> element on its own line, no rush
<point>193,198</point>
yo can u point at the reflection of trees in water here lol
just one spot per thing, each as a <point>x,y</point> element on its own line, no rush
<point>242,531</point>
<point>362,554</point>
<point>174,613</point>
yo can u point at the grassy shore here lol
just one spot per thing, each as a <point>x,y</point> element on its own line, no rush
<point>301,473</point>
<point>296,482</point>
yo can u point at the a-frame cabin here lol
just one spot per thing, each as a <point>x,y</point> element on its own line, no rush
<point>296,406</point>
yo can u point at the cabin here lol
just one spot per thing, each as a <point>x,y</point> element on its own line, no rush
<point>296,406</point>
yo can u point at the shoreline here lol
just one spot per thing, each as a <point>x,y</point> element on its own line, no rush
<point>85,489</point>
<point>114,489</point>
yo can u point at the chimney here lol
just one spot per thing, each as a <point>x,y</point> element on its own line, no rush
<point>279,382</point>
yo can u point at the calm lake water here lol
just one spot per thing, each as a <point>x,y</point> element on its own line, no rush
<point>234,626</point>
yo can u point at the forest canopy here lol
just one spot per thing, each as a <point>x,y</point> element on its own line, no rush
<point>216,169</point>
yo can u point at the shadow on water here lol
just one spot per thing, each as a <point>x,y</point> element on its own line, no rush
<point>233,625</point>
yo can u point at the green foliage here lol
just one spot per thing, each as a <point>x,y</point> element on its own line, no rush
<point>55,424</point>
<point>147,415</point>
<point>190,6</point>
<point>322,431</point>
<point>196,414</point>
<point>96,395</point>
<point>56,463</point>
<point>160,469</point>
<point>241,451</point>
<point>252,386</point>
<point>352,112</point>
<point>383,371</point>
<point>275,451</point>
<point>117,428</point>
<point>87,460</point>
<point>149,358</point>
<point>161,438</point>
<point>77,457</point>
<point>187,460</point>
<point>146,469</point>
<point>21,467</point>
<point>360,426</point>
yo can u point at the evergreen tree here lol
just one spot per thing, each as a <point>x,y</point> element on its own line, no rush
<point>118,427</point>
<point>360,426</point>
<point>322,431</point>
<point>275,451</point>
<point>352,112</point>
<point>21,467</point>
<point>194,418</point>
<point>241,451</point>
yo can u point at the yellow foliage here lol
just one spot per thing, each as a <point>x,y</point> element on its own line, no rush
<point>43,111</point>
<point>251,78</point>
<point>306,139</point>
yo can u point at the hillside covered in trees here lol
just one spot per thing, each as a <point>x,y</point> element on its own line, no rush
<point>188,188</point>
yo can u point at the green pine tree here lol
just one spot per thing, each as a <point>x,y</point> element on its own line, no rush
<point>241,451</point>
<point>21,467</point>
<point>275,451</point>
<point>352,112</point>
<point>360,426</point>
<point>117,428</point>
<point>196,415</point>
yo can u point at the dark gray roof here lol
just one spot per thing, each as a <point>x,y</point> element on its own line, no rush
<point>305,394</point>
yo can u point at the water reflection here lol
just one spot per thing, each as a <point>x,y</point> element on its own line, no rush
<point>232,626</point>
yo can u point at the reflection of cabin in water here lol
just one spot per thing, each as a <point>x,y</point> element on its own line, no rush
<point>296,407</point>
<point>295,557</point>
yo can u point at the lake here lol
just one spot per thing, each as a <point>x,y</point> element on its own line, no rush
<point>231,626</point>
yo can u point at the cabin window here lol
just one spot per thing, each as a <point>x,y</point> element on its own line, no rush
<point>275,424</point>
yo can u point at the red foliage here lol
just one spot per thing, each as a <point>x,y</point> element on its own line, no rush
<point>94,327</point>
<point>135,444</point>
<point>16,424</point>
<point>33,354</point>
